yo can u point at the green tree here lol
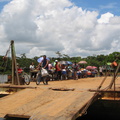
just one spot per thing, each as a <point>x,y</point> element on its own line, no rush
<point>23,55</point>
<point>59,54</point>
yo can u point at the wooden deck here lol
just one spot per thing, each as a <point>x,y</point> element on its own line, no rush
<point>57,105</point>
<point>60,100</point>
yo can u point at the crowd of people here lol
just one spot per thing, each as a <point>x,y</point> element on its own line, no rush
<point>60,71</point>
<point>64,71</point>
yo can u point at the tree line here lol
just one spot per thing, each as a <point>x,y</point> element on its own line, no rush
<point>24,62</point>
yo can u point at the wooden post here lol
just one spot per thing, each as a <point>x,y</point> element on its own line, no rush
<point>114,77</point>
<point>14,65</point>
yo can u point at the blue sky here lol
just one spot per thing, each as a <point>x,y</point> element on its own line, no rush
<point>102,6</point>
<point>72,27</point>
<point>2,3</point>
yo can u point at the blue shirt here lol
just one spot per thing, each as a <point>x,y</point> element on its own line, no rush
<point>44,62</point>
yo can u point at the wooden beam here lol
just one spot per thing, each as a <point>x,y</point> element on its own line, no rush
<point>105,91</point>
<point>16,116</point>
<point>17,86</point>
<point>14,64</point>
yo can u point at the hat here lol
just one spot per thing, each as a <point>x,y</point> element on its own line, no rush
<point>56,60</point>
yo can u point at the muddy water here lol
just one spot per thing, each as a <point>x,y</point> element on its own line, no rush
<point>103,110</point>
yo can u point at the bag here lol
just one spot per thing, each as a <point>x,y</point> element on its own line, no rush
<point>44,72</point>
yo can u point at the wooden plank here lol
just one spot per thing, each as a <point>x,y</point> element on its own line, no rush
<point>16,116</point>
<point>55,105</point>
<point>65,108</point>
<point>105,91</point>
<point>16,86</point>
<point>17,100</point>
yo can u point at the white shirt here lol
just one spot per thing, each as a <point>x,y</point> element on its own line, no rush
<point>32,67</point>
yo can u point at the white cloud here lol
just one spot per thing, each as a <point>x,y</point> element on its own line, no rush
<point>105,18</point>
<point>46,26</point>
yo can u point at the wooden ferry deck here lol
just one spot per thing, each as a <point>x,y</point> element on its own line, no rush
<point>59,100</point>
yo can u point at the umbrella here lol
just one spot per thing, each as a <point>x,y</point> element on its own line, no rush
<point>41,58</point>
<point>89,67</point>
<point>109,63</point>
<point>94,67</point>
<point>68,62</point>
<point>63,62</point>
<point>82,62</point>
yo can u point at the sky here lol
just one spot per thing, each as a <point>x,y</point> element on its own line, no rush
<point>72,27</point>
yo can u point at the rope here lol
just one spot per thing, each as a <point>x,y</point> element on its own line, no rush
<point>5,60</point>
<point>84,111</point>
<point>114,77</point>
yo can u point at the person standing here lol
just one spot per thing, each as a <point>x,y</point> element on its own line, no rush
<point>43,67</point>
<point>101,71</point>
<point>58,69</point>
<point>75,69</point>
<point>32,68</point>
<point>45,62</point>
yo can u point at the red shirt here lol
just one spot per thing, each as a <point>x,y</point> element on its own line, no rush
<point>57,66</point>
<point>20,70</point>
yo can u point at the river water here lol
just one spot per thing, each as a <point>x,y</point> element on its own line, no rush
<point>103,110</point>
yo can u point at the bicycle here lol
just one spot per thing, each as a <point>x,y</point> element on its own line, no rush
<point>24,78</point>
<point>42,75</point>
